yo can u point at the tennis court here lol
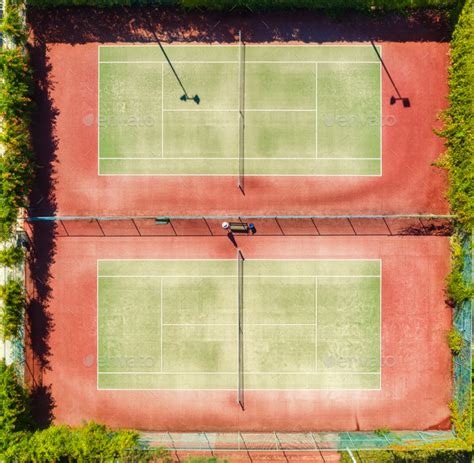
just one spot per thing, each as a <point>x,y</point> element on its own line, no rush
<point>239,110</point>
<point>232,324</point>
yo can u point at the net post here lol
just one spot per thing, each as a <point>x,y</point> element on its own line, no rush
<point>240,365</point>
<point>241,173</point>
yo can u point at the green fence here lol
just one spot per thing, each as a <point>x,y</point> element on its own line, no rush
<point>318,442</point>
<point>462,320</point>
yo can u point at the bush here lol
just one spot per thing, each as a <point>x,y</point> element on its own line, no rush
<point>16,165</point>
<point>11,256</point>
<point>14,302</point>
<point>19,442</point>
<point>458,121</point>
<point>455,341</point>
<point>91,442</point>
<point>14,408</point>
<point>457,288</point>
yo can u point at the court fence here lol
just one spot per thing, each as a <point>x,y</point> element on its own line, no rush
<point>146,226</point>
<point>281,442</point>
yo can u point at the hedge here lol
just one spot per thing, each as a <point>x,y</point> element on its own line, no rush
<point>12,23</point>
<point>16,165</point>
<point>14,408</point>
<point>458,120</point>
<point>455,341</point>
<point>222,5</point>
<point>19,442</point>
<point>13,300</point>
<point>456,450</point>
<point>12,256</point>
<point>458,160</point>
<point>430,454</point>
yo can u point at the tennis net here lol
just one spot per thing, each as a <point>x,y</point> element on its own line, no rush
<point>240,333</point>
<point>241,111</point>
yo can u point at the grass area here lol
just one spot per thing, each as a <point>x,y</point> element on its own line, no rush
<point>307,110</point>
<point>174,324</point>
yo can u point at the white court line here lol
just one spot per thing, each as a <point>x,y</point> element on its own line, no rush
<point>231,158</point>
<point>234,276</point>
<point>309,62</point>
<point>174,62</point>
<point>316,110</point>
<point>162,112</point>
<point>227,110</point>
<point>161,324</point>
<point>342,259</point>
<point>217,44</point>
<point>235,373</point>
<point>227,389</point>
<point>233,324</point>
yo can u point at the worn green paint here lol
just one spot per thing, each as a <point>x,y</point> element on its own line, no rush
<point>172,324</point>
<point>308,110</point>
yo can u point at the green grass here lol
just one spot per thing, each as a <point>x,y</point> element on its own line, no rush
<point>308,110</point>
<point>173,324</point>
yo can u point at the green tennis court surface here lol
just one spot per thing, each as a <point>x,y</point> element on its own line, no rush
<point>173,324</point>
<point>266,110</point>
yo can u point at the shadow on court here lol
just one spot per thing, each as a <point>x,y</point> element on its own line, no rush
<point>83,24</point>
<point>185,97</point>
<point>393,99</point>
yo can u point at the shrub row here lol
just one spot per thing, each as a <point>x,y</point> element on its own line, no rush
<point>458,160</point>
<point>222,5</point>
<point>457,287</point>
<point>11,256</point>
<point>455,341</point>
<point>13,300</point>
<point>456,450</point>
<point>458,120</point>
<point>16,164</point>
<point>16,161</point>
<point>429,454</point>
<point>20,442</point>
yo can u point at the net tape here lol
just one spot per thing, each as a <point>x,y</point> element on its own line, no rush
<point>241,111</point>
<point>291,442</point>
